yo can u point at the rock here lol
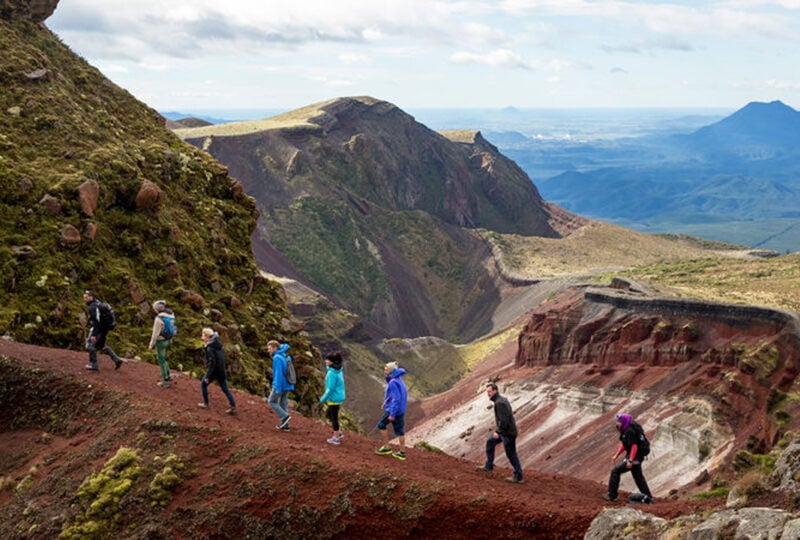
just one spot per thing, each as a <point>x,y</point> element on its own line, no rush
<point>237,189</point>
<point>192,298</point>
<point>14,111</point>
<point>41,74</point>
<point>88,193</point>
<point>150,196</point>
<point>51,205</point>
<point>26,184</point>
<point>624,523</point>
<point>173,270</point>
<point>70,235</point>
<point>787,468</point>
<point>90,231</point>
<point>40,10</point>
<point>136,293</point>
<point>23,252</point>
<point>292,326</point>
<point>792,529</point>
<point>758,523</point>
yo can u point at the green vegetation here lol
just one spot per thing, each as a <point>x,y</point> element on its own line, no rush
<point>166,481</point>
<point>71,127</point>
<point>101,493</point>
<point>718,492</point>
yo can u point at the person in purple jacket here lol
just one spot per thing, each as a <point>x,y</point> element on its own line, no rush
<point>394,410</point>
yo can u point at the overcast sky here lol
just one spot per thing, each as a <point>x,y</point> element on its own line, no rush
<point>282,54</point>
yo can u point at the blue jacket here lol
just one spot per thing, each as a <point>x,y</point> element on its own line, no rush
<point>279,382</point>
<point>334,387</point>
<point>394,401</point>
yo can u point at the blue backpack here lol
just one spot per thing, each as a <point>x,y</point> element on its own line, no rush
<point>170,328</point>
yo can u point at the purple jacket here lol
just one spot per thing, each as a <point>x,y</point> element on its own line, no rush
<point>394,401</point>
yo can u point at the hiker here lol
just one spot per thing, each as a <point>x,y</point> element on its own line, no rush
<point>334,393</point>
<point>394,410</point>
<point>161,338</point>
<point>628,437</point>
<point>101,322</point>
<point>215,369</point>
<point>505,432</point>
<point>279,395</point>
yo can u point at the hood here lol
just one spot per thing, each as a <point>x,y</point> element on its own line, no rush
<point>283,347</point>
<point>396,373</point>
<point>624,421</point>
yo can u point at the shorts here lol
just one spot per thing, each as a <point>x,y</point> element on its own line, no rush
<point>398,424</point>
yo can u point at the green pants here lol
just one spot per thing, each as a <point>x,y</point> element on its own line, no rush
<point>161,354</point>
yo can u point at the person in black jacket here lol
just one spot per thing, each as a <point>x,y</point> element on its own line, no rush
<point>98,333</point>
<point>632,462</point>
<point>215,369</point>
<point>505,432</point>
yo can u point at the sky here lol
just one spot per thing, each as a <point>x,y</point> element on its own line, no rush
<point>186,55</point>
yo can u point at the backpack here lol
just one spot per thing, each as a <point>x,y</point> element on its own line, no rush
<point>170,328</point>
<point>642,444</point>
<point>105,315</point>
<point>289,372</point>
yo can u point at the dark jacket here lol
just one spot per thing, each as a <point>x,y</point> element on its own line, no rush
<point>94,316</point>
<point>215,359</point>
<point>504,417</point>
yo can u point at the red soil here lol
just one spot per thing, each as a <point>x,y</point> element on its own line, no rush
<point>230,491</point>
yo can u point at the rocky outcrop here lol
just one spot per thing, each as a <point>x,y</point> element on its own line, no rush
<point>607,327</point>
<point>35,10</point>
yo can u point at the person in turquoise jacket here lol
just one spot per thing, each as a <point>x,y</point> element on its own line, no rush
<point>279,396</point>
<point>334,393</point>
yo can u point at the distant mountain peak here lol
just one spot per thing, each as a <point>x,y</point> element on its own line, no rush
<point>772,124</point>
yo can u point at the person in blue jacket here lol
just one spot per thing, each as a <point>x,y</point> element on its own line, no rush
<point>334,393</point>
<point>279,396</point>
<point>394,410</point>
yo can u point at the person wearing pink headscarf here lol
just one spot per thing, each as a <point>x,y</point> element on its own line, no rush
<point>627,443</point>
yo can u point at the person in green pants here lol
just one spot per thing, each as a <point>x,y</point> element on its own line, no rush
<point>163,331</point>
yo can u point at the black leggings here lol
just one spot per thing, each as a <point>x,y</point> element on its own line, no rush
<point>333,416</point>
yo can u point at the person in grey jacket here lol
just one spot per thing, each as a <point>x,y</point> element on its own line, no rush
<point>215,369</point>
<point>505,432</point>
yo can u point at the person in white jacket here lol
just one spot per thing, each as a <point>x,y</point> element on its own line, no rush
<point>161,338</point>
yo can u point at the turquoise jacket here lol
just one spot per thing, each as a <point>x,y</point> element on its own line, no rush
<point>334,387</point>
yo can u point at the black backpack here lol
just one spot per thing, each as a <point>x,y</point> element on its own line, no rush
<point>105,314</point>
<point>642,444</point>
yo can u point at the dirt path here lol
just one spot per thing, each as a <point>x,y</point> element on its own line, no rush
<point>465,503</point>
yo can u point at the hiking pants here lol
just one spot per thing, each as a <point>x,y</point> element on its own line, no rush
<point>99,345</point>
<point>638,477</point>
<point>223,383</point>
<point>161,354</point>
<point>510,446</point>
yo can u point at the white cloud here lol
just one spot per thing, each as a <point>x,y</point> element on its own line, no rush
<point>351,58</point>
<point>497,58</point>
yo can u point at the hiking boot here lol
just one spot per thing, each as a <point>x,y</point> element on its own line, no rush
<point>163,384</point>
<point>484,468</point>
<point>399,455</point>
<point>284,422</point>
<point>340,435</point>
<point>285,428</point>
<point>513,480</point>
<point>92,367</point>
<point>231,411</point>
<point>383,451</point>
<point>647,499</point>
<point>334,440</point>
<point>117,363</point>
<point>609,498</point>
<point>203,405</point>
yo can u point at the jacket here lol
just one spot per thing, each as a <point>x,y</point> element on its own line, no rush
<point>215,359</point>
<point>158,327</point>
<point>279,382</point>
<point>396,396</point>
<point>93,308</point>
<point>504,417</point>
<point>334,387</point>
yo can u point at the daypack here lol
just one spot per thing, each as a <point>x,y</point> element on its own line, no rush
<point>642,444</point>
<point>289,372</point>
<point>106,317</point>
<point>170,328</point>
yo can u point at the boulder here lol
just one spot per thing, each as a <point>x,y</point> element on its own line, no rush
<point>90,231</point>
<point>149,197</point>
<point>70,235</point>
<point>787,469</point>
<point>88,193</point>
<point>624,523</point>
<point>51,204</point>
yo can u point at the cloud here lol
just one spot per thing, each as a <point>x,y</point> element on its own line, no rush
<point>669,43</point>
<point>618,71</point>
<point>497,58</point>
